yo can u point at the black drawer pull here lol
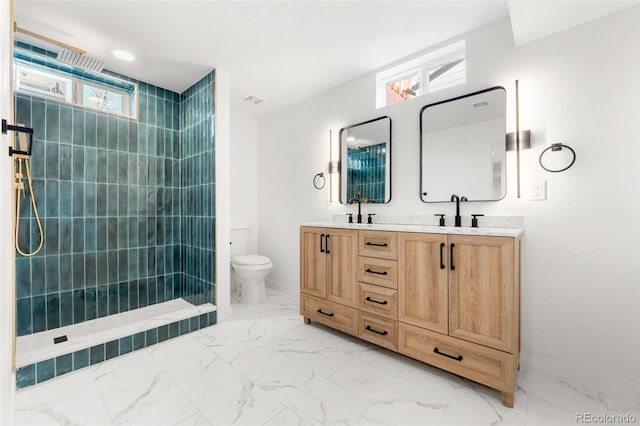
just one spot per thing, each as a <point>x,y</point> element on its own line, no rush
<point>382,333</point>
<point>324,313</point>
<point>321,239</point>
<point>369,299</point>
<point>441,256</point>
<point>369,243</point>
<point>326,244</point>
<point>457,358</point>
<point>375,272</point>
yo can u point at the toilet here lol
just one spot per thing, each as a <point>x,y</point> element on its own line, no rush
<point>250,270</point>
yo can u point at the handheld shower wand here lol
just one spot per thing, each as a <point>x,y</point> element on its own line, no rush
<point>22,163</point>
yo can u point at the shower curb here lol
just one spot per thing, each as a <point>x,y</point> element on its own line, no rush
<point>48,369</point>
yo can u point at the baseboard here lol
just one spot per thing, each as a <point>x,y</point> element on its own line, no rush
<point>282,287</point>
<point>581,377</point>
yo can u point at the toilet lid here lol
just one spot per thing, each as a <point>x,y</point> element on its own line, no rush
<point>251,259</point>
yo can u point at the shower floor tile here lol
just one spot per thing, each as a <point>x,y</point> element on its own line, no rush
<point>40,346</point>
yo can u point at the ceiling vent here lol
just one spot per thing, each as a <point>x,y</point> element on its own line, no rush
<point>251,98</point>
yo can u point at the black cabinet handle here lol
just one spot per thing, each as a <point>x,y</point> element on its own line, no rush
<point>453,267</point>
<point>441,256</point>
<point>320,311</point>
<point>375,272</point>
<point>326,244</point>
<point>369,299</point>
<point>369,243</point>
<point>321,239</point>
<point>457,358</point>
<point>382,333</point>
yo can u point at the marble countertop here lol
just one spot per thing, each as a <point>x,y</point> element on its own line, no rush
<point>494,232</point>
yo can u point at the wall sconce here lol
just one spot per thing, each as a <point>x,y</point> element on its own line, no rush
<point>525,140</point>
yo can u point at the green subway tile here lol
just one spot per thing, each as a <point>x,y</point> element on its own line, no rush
<point>45,370</point>
<point>26,376</point>
<point>80,359</point>
<point>112,349</point>
<point>64,364</point>
<point>139,341</point>
<point>96,354</point>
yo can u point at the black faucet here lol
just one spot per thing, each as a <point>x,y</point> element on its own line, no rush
<point>458,218</point>
<point>359,217</point>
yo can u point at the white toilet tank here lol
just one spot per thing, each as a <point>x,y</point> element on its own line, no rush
<point>239,240</point>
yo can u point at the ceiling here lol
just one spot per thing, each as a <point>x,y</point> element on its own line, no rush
<point>281,51</point>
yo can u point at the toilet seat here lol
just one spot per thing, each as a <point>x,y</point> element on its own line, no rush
<point>251,259</point>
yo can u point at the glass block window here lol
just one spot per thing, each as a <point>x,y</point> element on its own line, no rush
<point>437,70</point>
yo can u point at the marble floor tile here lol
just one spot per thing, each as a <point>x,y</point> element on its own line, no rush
<point>312,397</point>
<point>225,396</point>
<point>266,367</point>
<point>71,399</point>
<point>184,357</point>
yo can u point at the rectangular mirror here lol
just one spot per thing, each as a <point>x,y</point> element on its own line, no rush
<point>365,161</point>
<point>463,147</point>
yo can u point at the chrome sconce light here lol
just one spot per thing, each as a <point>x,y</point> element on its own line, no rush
<point>525,140</point>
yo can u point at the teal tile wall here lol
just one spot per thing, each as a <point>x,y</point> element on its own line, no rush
<point>128,211</point>
<point>108,190</point>
<point>197,171</point>
<point>367,169</point>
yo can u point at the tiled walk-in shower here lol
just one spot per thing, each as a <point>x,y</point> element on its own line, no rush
<point>128,211</point>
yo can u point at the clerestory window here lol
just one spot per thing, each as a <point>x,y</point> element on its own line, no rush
<point>433,71</point>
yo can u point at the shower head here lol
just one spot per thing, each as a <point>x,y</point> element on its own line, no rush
<point>69,54</point>
<point>79,60</point>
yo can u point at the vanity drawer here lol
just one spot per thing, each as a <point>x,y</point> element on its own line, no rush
<point>380,244</point>
<point>328,313</point>
<point>378,330</point>
<point>380,272</point>
<point>378,300</point>
<point>479,363</point>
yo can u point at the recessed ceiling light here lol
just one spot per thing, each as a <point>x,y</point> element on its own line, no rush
<point>124,55</point>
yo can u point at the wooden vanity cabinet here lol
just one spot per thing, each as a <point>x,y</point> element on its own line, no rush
<point>452,301</point>
<point>459,305</point>
<point>328,287</point>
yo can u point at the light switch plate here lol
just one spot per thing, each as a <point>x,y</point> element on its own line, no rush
<point>539,190</point>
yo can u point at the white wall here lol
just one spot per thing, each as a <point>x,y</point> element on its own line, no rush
<point>244,173</point>
<point>580,274</point>
<point>223,196</point>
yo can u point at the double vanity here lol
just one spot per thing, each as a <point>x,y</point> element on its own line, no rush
<point>446,296</point>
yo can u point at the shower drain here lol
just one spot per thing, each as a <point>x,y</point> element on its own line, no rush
<point>60,339</point>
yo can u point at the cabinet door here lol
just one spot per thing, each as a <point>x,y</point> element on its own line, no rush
<point>342,253</point>
<point>422,280</point>
<point>481,290</point>
<point>313,261</point>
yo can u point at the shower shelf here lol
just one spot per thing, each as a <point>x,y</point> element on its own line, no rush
<point>163,320</point>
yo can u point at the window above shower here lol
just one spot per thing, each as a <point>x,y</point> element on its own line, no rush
<point>39,74</point>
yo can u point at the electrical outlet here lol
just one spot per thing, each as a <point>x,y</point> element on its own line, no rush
<point>539,190</point>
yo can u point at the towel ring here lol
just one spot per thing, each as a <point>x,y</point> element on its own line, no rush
<point>557,147</point>
<point>317,183</point>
